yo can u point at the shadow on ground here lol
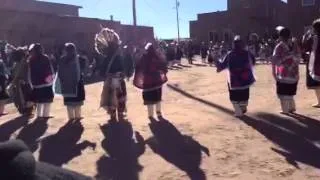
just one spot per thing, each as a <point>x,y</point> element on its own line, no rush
<point>297,136</point>
<point>205,102</point>
<point>62,147</point>
<point>123,147</point>
<point>180,150</point>
<point>11,126</point>
<point>31,133</point>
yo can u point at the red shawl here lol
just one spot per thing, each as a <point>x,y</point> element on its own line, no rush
<point>41,73</point>
<point>150,72</point>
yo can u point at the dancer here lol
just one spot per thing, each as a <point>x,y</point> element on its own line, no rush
<point>41,75</point>
<point>20,89</point>
<point>312,57</point>
<point>171,54</point>
<point>150,76</point>
<point>69,82</point>
<point>179,54</point>
<point>204,52</point>
<point>190,52</point>
<point>114,93</point>
<point>239,63</point>
<point>4,77</point>
<point>285,68</point>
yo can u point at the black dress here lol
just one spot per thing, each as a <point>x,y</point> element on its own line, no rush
<point>76,101</point>
<point>285,89</point>
<point>152,97</point>
<point>42,95</point>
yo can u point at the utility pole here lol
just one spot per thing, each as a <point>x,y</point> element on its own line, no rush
<point>178,24</point>
<point>134,12</point>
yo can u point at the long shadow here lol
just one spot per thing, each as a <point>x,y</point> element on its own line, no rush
<point>178,149</point>
<point>296,142</point>
<point>123,148</point>
<point>32,132</point>
<point>208,103</point>
<point>60,148</point>
<point>8,128</point>
<point>200,65</point>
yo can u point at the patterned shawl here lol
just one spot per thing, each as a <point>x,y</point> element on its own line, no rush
<point>286,64</point>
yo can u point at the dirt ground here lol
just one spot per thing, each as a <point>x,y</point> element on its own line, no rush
<point>198,139</point>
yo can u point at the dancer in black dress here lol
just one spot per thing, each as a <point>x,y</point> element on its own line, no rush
<point>69,81</point>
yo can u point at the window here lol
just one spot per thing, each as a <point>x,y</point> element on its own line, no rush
<point>308,2</point>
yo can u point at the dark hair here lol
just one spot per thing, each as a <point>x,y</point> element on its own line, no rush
<point>285,33</point>
<point>36,48</point>
<point>316,26</point>
<point>69,47</point>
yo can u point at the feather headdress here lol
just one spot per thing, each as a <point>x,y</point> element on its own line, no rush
<point>104,39</point>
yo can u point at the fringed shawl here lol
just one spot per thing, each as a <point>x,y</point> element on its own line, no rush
<point>240,69</point>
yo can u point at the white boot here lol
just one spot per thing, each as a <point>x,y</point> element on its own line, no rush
<point>158,109</point>
<point>317,91</point>
<point>78,112</point>
<point>71,113</point>
<point>237,109</point>
<point>46,110</point>
<point>150,111</point>
<point>40,108</point>
<point>292,106</point>
<point>285,106</point>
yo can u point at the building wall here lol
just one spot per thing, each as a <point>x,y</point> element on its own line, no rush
<point>301,17</point>
<point>242,17</point>
<point>24,28</point>
<point>40,6</point>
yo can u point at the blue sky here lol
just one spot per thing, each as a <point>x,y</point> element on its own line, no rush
<point>157,13</point>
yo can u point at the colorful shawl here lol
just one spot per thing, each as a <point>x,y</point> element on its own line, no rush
<point>240,72</point>
<point>314,62</point>
<point>68,76</point>
<point>285,64</point>
<point>150,72</point>
<point>41,72</point>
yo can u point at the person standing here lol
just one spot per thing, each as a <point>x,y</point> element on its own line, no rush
<point>41,75</point>
<point>312,57</point>
<point>179,54</point>
<point>239,63</point>
<point>114,93</point>
<point>4,77</point>
<point>204,52</point>
<point>69,82</point>
<point>150,76</point>
<point>20,89</point>
<point>285,69</point>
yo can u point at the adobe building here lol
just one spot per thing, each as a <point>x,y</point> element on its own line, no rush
<point>301,15</point>
<point>242,18</point>
<point>27,21</point>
